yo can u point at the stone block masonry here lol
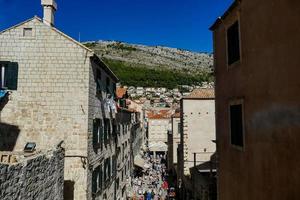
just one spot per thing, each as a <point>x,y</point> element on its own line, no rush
<point>37,177</point>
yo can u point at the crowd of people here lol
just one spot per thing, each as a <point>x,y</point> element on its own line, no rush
<point>152,184</point>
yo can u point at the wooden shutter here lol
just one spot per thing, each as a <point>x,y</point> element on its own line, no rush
<point>95,132</point>
<point>11,76</point>
<point>105,130</point>
<point>101,133</point>
<point>94,181</point>
<point>100,177</point>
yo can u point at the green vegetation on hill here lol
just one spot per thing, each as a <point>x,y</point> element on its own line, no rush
<point>139,75</point>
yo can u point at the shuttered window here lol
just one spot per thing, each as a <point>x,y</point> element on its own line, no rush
<point>94,181</point>
<point>98,133</point>
<point>9,75</point>
<point>95,132</point>
<point>100,182</point>
<point>101,134</point>
<point>107,130</point>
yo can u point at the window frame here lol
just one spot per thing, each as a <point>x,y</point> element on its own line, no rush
<point>239,101</point>
<point>2,75</point>
<point>7,69</point>
<point>238,62</point>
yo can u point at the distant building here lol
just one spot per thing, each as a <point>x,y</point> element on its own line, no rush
<point>173,146</point>
<point>256,53</point>
<point>158,126</point>
<point>139,91</point>
<point>197,119</point>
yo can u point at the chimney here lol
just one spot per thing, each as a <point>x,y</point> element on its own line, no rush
<point>50,7</point>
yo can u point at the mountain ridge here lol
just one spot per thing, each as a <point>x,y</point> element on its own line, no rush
<point>121,56</point>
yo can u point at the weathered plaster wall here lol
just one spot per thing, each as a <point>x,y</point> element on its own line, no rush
<point>267,79</point>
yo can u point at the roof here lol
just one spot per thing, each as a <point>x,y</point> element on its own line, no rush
<point>201,93</point>
<point>101,63</point>
<point>121,92</point>
<point>219,20</point>
<point>160,114</point>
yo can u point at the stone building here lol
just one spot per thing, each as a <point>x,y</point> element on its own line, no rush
<point>158,127</point>
<point>256,53</point>
<point>129,140</point>
<point>173,142</point>
<point>59,90</point>
<point>38,175</point>
<point>197,119</point>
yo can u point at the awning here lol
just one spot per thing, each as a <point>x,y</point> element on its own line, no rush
<point>158,146</point>
<point>138,161</point>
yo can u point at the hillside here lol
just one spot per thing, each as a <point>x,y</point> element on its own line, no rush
<point>140,65</point>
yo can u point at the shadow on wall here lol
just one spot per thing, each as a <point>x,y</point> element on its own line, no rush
<point>8,136</point>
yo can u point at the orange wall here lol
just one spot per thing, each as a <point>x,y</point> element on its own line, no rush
<point>267,78</point>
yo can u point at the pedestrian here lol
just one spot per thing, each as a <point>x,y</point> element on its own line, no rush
<point>149,196</point>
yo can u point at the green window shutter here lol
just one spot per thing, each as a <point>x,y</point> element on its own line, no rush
<point>109,130</point>
<point>101,134</point>
<point>11,76</point>
<point>95,131</point>
<point>105,130</point>
<point>100,177</point>
<point>94,181</point>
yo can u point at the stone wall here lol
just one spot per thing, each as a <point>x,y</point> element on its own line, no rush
<point>198,131</point>
<point>50,103</point>
<point>39,177</point>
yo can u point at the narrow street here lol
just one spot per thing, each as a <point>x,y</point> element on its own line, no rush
<point>151,184</point>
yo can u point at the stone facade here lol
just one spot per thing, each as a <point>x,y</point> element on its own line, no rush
<point>62,88</point>
<point>158,129</point>
<point>173,142</point>
<point>37,177</point>
<point>197,119</point>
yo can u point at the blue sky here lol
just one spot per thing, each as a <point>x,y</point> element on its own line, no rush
<point>174,23</point>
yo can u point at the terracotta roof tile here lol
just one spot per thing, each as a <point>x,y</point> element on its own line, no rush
<point>121,92</point>
<point>202,93</point>
<point>161,114</point>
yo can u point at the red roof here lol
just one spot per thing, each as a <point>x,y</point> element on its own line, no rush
<point>159,114</point>
<point>121,92</point>
<point>201,93</point>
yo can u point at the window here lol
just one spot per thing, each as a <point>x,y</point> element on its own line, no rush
<point>100,177</point>
<point>107,85</point>
<point>94,182</point>
<point>97,179</point>
<point>27,32</point>
<point>179,128</point>
<point>114,165</point>
<point>97,133</point>
<point>114,127</point>
<point>107,170</point>
<point>123,151</point>
<point>107,130</point>
<point>98,80</point>
<point>9,75</point>
<point>233,43</point>
<point>236,125</point>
